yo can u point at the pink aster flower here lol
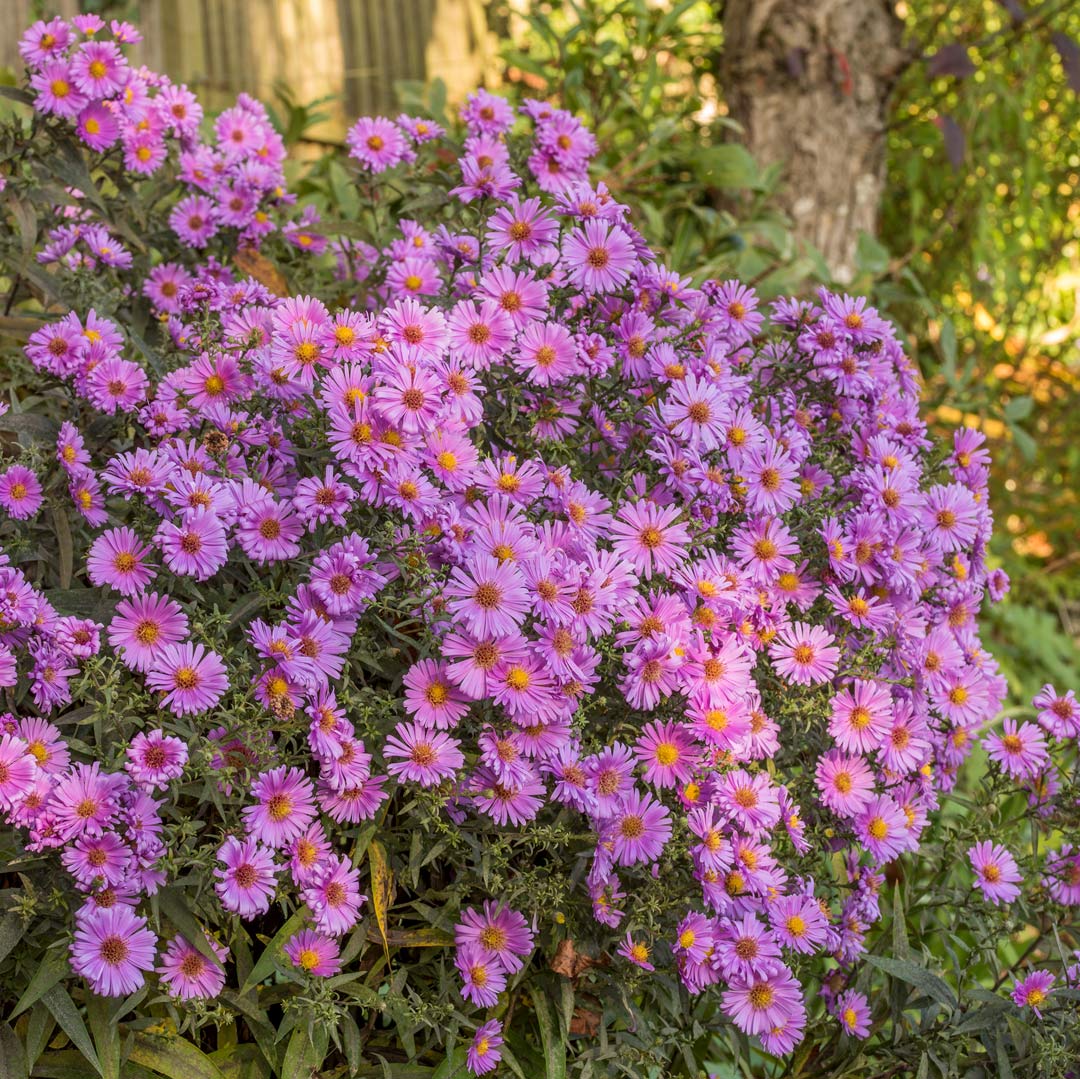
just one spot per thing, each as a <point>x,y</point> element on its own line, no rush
<point>334,896</point>
<point>18,770</point>
<point>20,492</point>
<point>666,753</point>
<point>248,880</point>
<point>500,933</point>
<point>846,783</point>
<point>154,759</point>
<point>640,829</point>
<point>490,597</point>
<point>285,806</point>
<point>599,256</point>
<point>483,976</point>
<point>637,952</point>
<point>996,874</point>
<point>195,546</point>
<point>112,949</point>
<point>805,654</point>
<point>118,559</point>
<point>861,716</point>
<point>1020,749</point>
<point>763,1002</point>
<point>484,1054</point>
<point>377,143</point>
<point>427,757</point>
<point>143,626</point>
<point>882,828</point>
<point>190,975</point>
<point>431,696</point>
<point>853,1011</point>
<point>56,92</point>
<point>1058,713</point>
<point>1032,991</point>
<point>85,801</point>
<point>649,536</point>
<point>97,859</point>
<point>191,677</point>
<point>313,953</point>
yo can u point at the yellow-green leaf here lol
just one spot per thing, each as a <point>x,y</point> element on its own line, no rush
<point>382,889</point>
<point>173,1057</point>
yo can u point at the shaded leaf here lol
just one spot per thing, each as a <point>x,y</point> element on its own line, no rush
<point>11,931</point>
<point>58,1001</point>
<point>53,968</point>
<point>550,1040</point>
<point>922,979</point>
<point>174,1057</point>
<point>13,1063</point>
<point>272,952</point>
<point>305,1054</point>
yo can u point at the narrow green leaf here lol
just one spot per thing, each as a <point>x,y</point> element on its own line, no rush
<point>11,931</point>
<point>922,979</point>
<point>106,1036</point>
<point>59,1002</point>
<point>13,1063</point>
<point>554,1049</point>
<point>45,977</point>
<point>272,952</point>
<point>305,1054</point>
<point>173,1057</point>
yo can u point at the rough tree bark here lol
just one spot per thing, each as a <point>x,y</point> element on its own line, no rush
<point>809,81</point>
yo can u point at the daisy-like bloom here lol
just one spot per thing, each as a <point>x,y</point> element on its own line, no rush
<point>1020,749</point>
<point>377,143</point>
<point>143,626</point>
<point>546,353</point>
<point>636,952</point>
<point>694,411</point>
<point>1032,991</point>
<point>56,90</point>
<point>484,1054</point>
<point>650,537</point>
<point>666,753</point>
<point>190,975</point>
<point>99,69</point>
<point>852,1009</point>
<point>431,697</point>
<point>112,949</point>
<point>20,492</point>
<point>750,801</point>
<point>321,501</point>
<point>334,896</point>
<point>194,547</point>
<point>500,933</point>
<point>598,257</point>
<point>427,757</point>
<point>313,953</point>
<point>996,874</point>
<point>951,516</point>
<point>18,770</point>
<point>483,977</point>
<point>85,801</point>
<point>805,654</point>
<point>758,1004</point>
<point>882,828</point>
<point>154,759</point>
<point>118,559</point>
<point>194,220</point>
<point>1058,713</point>
<point>770,475</point>
<point>116,385</point>
<point>248,880</point>
<point>798,922</point>
<point>523,229</point>
<point>490,597</point>
<point>479,332</point>
<point>285,806</point>
<point>846,783</point>
<point>861,716</point>
<point>639,829</point>
<point>191,677</point>
<point>44,743</point>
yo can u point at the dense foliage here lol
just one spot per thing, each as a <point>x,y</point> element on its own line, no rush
<point>445,638</point>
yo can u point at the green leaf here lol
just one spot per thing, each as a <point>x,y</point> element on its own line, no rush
<point>727,166</point>
<point>67,1015</point>
<point>922,979</point>
<point>13,1063</point>
<point>1019,408</point>
<point>382,889</point>
<point>307,1049</point>
<point>106,1036</point>
<point>453,1066</point>
<point>272,952</point>
<point>54,967</point>
<point>871,256</point>
<point>174,1057</point>
<point>176,910</point>
<point>11,932</point>
<point>552,1043</point>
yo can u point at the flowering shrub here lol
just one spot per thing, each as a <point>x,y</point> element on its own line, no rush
<point>447,639</point>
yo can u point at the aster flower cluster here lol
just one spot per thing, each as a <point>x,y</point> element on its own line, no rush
<point>80,76</point>
<point>636,554</point>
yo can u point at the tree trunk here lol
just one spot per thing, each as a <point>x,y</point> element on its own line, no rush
<point>809,81</point>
